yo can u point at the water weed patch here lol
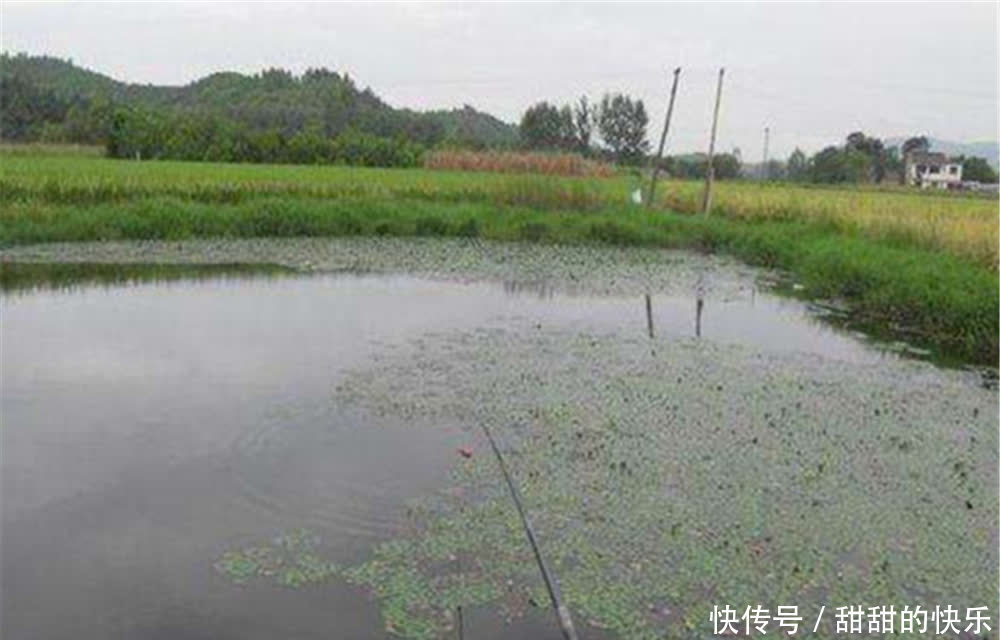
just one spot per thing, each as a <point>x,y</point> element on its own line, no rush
<point>665,476</point>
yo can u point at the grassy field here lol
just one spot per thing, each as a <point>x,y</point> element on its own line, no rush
<point>923,264</point>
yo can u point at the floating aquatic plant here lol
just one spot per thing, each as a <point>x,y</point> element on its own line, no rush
<point>290,561</point>
<point>705,474</point>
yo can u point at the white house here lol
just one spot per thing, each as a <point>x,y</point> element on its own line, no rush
<point>932,170</point>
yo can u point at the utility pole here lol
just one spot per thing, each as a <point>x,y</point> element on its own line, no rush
<point>764,172</point>
<point>663,140</point>
<point>710,174</point>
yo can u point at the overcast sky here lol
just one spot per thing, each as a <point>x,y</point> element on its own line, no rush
<point>811,72</point>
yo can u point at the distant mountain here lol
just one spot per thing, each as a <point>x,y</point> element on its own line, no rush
<point>988,150</point>
<point>46,97</point>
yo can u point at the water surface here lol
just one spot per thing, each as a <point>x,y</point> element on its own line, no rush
<point>150,426</point>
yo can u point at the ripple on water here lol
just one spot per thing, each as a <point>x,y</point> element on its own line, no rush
<point>344,473</point>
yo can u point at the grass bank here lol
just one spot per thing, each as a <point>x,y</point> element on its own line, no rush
<point>940,300</point>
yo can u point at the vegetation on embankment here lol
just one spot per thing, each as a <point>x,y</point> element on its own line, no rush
<point>963,227</point>
<point>942,300</point>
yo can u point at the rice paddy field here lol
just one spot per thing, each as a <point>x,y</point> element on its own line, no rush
<point>966,227</point>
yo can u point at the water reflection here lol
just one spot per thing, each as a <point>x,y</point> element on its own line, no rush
<point>698,308</point>
<point>18,279</point>
<point>26,277</point>
<point>541,289</point>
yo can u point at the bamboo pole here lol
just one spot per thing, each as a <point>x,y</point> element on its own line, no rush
<point>706,204</point>
<point>562,612</point>
<point>663,140</point>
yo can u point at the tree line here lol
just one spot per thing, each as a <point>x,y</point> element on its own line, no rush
<point>271,116</point>
<point>613,128</point>
<point>146,134</point>
<point>321,116</point>
<point>620,122</point>
<point>865,159</point>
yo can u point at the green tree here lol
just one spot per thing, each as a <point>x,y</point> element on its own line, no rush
<point>546,126</point>
<point>137,133</point>
<point>727,166</point>
<point>26,107</point>
<point>873,148</point>
<point>827,166</point>
<point>894,163</point>
<point>309,146</point>
<point>916,144</point>
<point>833,165</point>
<point>622,123</point>
<point>797,166</point>
<point>567,129</point>
<point>584,116</point>
<point>978,170</point>
<point>695,166</point>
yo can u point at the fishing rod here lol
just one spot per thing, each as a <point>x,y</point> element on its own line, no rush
<point>562,613</point>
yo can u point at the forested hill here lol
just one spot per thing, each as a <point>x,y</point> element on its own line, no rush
<point>45,98</point>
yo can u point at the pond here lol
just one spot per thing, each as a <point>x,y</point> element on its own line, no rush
<point>151,423</point>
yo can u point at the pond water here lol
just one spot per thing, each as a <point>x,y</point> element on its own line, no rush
<point>149,427</point>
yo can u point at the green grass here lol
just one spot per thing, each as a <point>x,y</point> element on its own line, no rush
<point>942,296</point>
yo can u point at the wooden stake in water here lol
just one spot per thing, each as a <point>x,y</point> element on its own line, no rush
<point>562,612</point>
<point>663,140</point>
<point>710,173</point>
<point>649,315</point>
